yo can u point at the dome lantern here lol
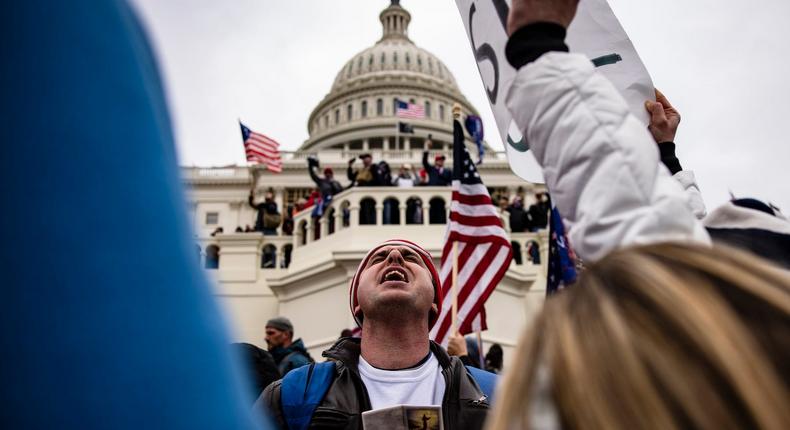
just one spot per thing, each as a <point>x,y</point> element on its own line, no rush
<point>395,22</point>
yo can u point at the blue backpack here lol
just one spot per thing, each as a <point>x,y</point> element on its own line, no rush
<point>303,389</point>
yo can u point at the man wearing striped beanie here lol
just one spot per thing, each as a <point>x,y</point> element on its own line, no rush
<point>395,297</point>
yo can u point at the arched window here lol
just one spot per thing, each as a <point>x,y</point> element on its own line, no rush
<point>408,59</point>
<point>287,249</point>
<point>330,219</point>
<point>516,253</point>
<point>414,211</point>
<point>379,107</point>
<point>348,72</point>
<point>212,257</point>
<point>359,65</point>
<point>430,65</point>
<point>302,232</point>
<point>383,59</point>
<point>316,224</point>
<point>437,213</point>
<point>370,61</point>
<point>337,116</point>
<point>394,58</point>
<point>394,105</point>
<point>427,109</point>
<point>326,121</point>
<point>412,101</point>
<point>367,211</point>
<point>391,215</point>
<point>350,112</point>
<point>533,252</point>
<point>419,62</point>
<point>269,257</point>
<point>346,208</point>
<point>364,108</point>
<point>441,112</point>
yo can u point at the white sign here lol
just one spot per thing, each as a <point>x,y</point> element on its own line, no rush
<point>595,32</point>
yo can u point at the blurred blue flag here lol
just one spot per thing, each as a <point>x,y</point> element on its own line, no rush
<point>562,262</point>
<point>474,126</point>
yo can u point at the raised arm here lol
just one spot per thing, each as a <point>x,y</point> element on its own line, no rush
<point>599,161</point>
<point>251,201</point>
<point>664,122</point>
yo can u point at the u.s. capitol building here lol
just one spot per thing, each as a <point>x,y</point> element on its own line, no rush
<point>305,276</point>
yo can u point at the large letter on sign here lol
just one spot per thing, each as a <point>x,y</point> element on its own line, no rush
<point>595,32</point>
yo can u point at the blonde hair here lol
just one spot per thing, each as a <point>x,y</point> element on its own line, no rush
<point>661,336</point>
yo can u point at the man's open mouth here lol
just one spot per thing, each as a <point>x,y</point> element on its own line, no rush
<point>395,274</point>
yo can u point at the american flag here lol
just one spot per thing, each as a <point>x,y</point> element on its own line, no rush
<point>562,264</point>
<point>484,250</point>
<point>261,149</point>
<point>409,110</point>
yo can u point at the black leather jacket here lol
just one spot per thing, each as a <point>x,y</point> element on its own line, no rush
<point>464,405</point>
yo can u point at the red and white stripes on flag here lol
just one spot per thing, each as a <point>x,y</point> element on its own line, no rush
<point>409,110</point>
<point>261,149</point>
<point>484,250</point>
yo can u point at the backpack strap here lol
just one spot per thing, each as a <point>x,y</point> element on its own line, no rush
<point>302,390</point>
<point>485,380</point>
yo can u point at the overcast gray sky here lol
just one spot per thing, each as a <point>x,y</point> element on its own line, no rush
<point>723,63</point>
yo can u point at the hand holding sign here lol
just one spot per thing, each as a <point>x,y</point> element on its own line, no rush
<point>524,12</point>
<point>593,31</point>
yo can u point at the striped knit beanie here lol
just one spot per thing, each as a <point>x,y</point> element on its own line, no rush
<point>426,258</point>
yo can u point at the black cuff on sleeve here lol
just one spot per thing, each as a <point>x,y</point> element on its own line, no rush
<point>668,157</point>
<point>528,43</point>
<point>465,360</point>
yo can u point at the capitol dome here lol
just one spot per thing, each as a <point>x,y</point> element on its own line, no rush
<point>359,113</point>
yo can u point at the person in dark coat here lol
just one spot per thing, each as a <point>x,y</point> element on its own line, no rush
<point>367,176</point>
<point>437,174</point>
<point>260,366</point>
<point>267,207</point>
<point>539,212</point>
<point>518,217</point>
<point>328,185</point>
<point>289,354</point>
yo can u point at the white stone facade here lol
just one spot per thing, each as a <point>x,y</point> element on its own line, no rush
<point>313,289</point>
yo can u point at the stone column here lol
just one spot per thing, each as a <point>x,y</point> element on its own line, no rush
<point>354,216</point>
<point>324,224</point>
<point>338,218</point>
<point>279,198</point>
<point>407,144</point>
<point>310,232</point>
<point>426,211</point>
<point>236,206</point>
<point>380,214</point>
<point>365,145</point>
<point>402,209</point>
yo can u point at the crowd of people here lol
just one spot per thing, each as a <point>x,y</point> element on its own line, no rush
<point>370,174</point>
<point>679,318</point>
<point>675,322</point>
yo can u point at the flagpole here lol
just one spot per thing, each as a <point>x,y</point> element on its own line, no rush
<point>455,289</point>
<point>397,134</point>
<point>480,347</point>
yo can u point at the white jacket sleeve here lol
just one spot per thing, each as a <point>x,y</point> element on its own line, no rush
<point>600,163</point>
<point>693,195</point>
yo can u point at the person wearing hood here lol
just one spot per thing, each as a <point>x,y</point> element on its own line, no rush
<point>289,354</point>
<point>395,297</point>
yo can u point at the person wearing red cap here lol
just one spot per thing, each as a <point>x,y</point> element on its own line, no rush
<point>395,297</point>
<point>437,174</point>
<point>328,185</point>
